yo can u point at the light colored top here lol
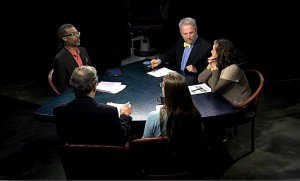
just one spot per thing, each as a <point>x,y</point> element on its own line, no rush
<point>231,83</point>
<point>152,126</point>
<point>185,56</point>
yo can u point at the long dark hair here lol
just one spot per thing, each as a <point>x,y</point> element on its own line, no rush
<point>227,53</point>
<point>180,109</point>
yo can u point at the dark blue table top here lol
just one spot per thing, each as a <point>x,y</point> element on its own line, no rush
<point>142,91</point>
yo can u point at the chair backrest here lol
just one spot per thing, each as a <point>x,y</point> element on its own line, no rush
<point>95,162</point>
<point>51,82</point>
<point>256,82</point>
<point>156,161</point>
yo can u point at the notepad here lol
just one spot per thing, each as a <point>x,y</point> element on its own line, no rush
<point>110,87</point>
<point>199,89</point>
<point>160,72</point>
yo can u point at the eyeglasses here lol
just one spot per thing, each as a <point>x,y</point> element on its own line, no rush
<point>75,34</point>
<point>161,84</point>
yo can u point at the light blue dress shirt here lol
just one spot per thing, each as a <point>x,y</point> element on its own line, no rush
<point>185,56</point>
<point>152,127</point>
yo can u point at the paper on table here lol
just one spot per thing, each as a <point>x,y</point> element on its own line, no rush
<point>110,87</point>
<point>199,89</point>
<point>120,88</point>
<point>160,72</point>
<point>118,106</point>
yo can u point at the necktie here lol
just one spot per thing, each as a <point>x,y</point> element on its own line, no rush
<point>185,56</point>
<point>187,45</point>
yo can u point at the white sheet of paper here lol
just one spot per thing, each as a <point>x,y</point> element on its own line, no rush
<point>199,89</point>
<point>160,72</point>
<point>118,105</point>
<point>110,87</point>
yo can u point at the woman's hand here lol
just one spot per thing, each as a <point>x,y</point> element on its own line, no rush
<point>211,59</point>
<point>213,63</point>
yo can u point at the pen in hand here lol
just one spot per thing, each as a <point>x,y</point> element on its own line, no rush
<point>155,62</point>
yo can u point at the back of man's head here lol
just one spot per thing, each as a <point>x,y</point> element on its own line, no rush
<point>83,80</point>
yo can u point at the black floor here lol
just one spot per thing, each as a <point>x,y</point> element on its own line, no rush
<point>28,151</point>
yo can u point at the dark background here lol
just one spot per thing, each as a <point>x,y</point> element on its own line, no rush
<point>267,34</point>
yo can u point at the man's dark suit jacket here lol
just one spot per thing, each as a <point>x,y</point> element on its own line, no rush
<point>198,56</point>
<point>85,121</point>
<point>64,65</point>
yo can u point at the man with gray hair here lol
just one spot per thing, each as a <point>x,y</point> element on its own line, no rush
<point>190,53</point>
<point>84,120</point>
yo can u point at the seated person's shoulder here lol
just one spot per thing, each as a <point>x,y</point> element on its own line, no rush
<point>233,68</point>
<point>82,49</point>
<point>153,113</point>
<point>203,41</point>
<point>232,72</point>
<point>60,55</point>
<point>105,106</point>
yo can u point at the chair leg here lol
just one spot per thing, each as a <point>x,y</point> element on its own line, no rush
<point>252,135</point>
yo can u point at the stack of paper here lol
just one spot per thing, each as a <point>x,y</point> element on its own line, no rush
<point>110,87</point>
<point>160,72</point>
<point>199,89</point>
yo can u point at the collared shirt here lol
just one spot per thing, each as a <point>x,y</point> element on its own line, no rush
<point>76,56</point>
<point>186,54</point>
<point>186,44</point>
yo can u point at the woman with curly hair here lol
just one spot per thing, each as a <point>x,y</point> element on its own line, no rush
<point>223,73</point>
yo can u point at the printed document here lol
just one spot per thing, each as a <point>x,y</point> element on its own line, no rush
<point>199,89</point>
<point>110,87</point>
<point>160,72</point>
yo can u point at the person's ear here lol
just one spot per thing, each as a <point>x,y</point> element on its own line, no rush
<point>95,87</point>
<point>64,38</point>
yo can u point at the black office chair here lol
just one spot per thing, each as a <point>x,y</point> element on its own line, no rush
<point>144,18</point>
<point>95,162</point>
